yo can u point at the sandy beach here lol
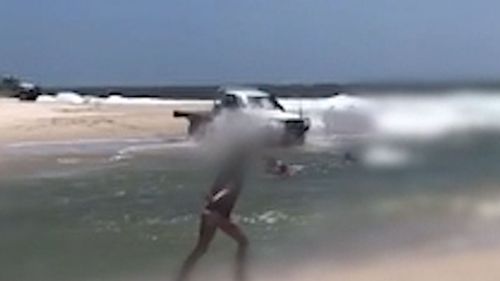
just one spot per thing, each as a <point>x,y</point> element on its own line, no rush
<point>27,122</point>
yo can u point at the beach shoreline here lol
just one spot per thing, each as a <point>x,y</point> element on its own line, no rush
<point>472,264</point>
<point>57,121</point>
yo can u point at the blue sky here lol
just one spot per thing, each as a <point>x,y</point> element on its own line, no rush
<point>103,42</point>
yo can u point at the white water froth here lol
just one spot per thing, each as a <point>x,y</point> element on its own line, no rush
<point>74,98</point>
<point>129,151</point>
<point>413,116</point>
<point>386,156</point>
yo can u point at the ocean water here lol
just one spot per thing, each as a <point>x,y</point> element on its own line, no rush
<point>128,209</point>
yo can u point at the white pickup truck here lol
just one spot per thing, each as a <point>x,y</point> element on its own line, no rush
<point>250,102</point>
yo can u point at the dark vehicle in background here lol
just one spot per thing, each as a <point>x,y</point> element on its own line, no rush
<point>13,87</point>
<point>28,92</point>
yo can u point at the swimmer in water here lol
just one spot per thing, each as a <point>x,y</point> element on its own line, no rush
<point>277,167</point>
<point>216,214</point>
<point>349,158</point>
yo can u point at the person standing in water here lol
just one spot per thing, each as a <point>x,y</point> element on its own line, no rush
<point>216,214</point>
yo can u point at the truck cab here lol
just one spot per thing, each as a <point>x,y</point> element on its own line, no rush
<point>251,99</point>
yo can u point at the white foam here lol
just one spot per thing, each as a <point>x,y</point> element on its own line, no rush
<point>333,114</point>
<point>432,117</point>
<point>384,156</point>
<point>149,101</point>
<point>489,210</point>
<point>63,97</point>
<point>46,99</point>
<point>75,98</point>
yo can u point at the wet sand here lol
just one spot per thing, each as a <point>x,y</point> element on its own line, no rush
<point>479,264</point>
<point>472,265</point>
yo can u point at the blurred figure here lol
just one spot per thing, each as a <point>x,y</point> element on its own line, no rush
<point>216,214</point>
<point>279,168</point>
<point>349,158</point>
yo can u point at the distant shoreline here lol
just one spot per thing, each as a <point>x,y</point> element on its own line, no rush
<point>281,90</point>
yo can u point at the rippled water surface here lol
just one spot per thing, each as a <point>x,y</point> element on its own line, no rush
<point>102,212</point>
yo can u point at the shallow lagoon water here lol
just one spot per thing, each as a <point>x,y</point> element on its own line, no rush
<point>115,211</point>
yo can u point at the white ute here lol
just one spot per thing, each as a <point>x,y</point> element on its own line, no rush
<point>250,102</point>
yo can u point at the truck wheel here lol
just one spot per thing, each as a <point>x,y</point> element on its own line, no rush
<point>292,139</point>
<point>196,130</point>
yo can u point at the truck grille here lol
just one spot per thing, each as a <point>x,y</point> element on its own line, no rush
<point>296,126</point>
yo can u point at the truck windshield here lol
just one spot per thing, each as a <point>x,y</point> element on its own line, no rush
<point>261,102</point>
<point>230,101</point>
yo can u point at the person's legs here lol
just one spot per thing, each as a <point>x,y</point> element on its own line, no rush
<point>207,231</point>
<point>235,232</point>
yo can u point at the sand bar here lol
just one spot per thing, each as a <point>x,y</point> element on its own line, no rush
<point>28,122</point>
